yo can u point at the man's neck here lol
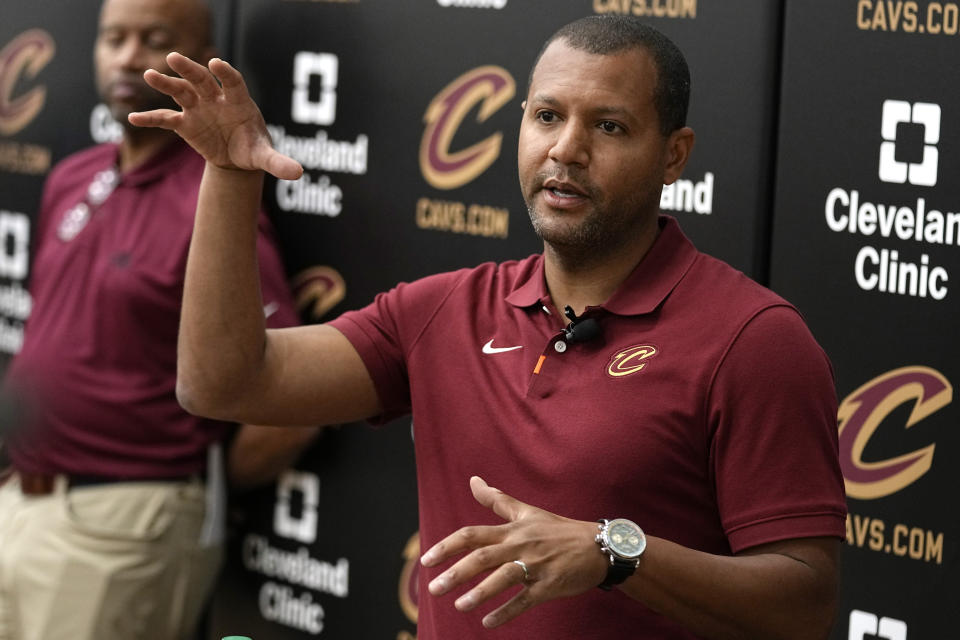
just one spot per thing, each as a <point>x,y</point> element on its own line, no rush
<point>583,281</point>
<point>139,145</point>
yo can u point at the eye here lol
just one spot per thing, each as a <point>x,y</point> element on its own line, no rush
<point>111,38</point>
<point>159,40</point>
<point>609,126</point>
<point>546,117</point>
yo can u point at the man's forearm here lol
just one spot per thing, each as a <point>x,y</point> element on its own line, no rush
<point>775,593</point>
<point>222,328</point>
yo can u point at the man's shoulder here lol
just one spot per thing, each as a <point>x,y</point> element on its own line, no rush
<point>86,162</point>
<point>728,285</point>
<point>480,280</point>
<point>507,271</point>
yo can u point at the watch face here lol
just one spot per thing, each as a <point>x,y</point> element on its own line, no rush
<point>625,538</point>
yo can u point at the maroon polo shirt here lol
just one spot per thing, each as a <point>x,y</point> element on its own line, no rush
<point>704,411</point>
<point>98,363</point>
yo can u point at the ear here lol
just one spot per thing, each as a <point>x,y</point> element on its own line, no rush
<point>679,145</point>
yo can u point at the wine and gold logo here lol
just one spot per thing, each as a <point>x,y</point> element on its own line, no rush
<point>485,90</point>
<point>409,585</point>
<point>317,290</point>
<point>863,412</point>
<point>22,99</point>
<point>489,87</point>
<point>20,61</point>
<point>630,360</point>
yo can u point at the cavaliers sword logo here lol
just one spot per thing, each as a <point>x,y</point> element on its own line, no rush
<point>317,290</point>
<point>863,412</point>
<point>408,588</point>
<point>490,87</point>
<point>23,57</point>
<point>630,360</point>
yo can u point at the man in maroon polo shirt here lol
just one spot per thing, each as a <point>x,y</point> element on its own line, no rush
<point>105,531</point>
<point>621,375</point>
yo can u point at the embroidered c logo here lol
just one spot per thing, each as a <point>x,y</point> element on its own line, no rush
<point>630,360</point>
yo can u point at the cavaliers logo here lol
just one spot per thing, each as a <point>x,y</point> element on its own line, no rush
<point>317,290</point>
<point>409,586</point>
<point>863,411</point>
<point>23,57</point>
<point>630,360</point>
<point>490,87</point>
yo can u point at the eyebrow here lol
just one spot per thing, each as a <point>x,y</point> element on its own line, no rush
<point>153,26</point>
<point>601,110</point>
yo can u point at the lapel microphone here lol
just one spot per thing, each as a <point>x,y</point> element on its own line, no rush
<point>580,329</point>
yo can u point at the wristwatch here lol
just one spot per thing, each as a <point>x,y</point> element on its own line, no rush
<point>623,542</point>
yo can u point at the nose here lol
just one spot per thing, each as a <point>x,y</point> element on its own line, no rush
<point>572,144</point>
<point>129,55</point>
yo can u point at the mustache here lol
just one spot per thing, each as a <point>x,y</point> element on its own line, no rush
<point>570,175</point>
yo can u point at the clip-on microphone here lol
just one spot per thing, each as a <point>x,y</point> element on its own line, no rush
<point>580,329</point>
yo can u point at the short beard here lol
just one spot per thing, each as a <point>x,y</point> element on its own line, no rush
<point>121,111</point>
<point>589,242</point>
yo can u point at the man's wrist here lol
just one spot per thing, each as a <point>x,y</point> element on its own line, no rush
<point>622,542</point>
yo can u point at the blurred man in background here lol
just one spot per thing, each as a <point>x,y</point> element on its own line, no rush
<point>109,519</point>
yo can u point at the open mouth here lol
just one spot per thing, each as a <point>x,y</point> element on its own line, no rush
<point>564,193</point>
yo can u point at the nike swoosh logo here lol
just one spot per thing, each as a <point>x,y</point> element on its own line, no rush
<point>270,309</point>
<point>489,348</point>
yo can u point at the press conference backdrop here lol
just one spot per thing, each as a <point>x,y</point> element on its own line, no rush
<point>825,150</point>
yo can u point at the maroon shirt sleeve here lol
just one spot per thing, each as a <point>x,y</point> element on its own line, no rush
<point>385,331</point>
<point>774,453</point>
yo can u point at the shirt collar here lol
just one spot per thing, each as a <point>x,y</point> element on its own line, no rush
<point>158,165</point>
<point>651,281</point>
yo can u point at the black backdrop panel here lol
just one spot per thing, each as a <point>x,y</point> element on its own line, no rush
<point>347,87</point>
<point>866,244</point>
<point>45,65</point>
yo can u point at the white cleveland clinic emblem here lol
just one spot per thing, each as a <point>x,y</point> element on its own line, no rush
<point>924,114</point>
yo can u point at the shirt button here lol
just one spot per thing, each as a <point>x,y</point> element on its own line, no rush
<point>560,346</point>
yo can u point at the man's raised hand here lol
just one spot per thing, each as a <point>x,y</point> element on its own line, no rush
<point>220,121</point>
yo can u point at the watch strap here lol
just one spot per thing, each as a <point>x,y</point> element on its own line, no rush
<point>620,568</point>
<point>618,571</point>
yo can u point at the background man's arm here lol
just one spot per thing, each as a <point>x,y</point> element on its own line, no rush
<point>258,454</point>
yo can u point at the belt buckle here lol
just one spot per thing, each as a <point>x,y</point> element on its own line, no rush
<point>36,484</point>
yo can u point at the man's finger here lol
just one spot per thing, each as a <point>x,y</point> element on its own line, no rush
<point>280,166</point>
<point>525,599</point>
<point>505,506</point>
<point>161,118</point>
<point>492,557</point>
<point>231,81</point>
<point>459,541</point>
<point>505,576</point>
<point>197,75</point>
<point>177,88</point>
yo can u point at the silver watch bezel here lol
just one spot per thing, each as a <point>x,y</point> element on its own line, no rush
<point>609,547</point>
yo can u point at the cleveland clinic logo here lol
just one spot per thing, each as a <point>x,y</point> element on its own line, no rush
<point>317,106</point>
<point>864,625</point>
<point>905,123</point>
<point>296,511</point>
